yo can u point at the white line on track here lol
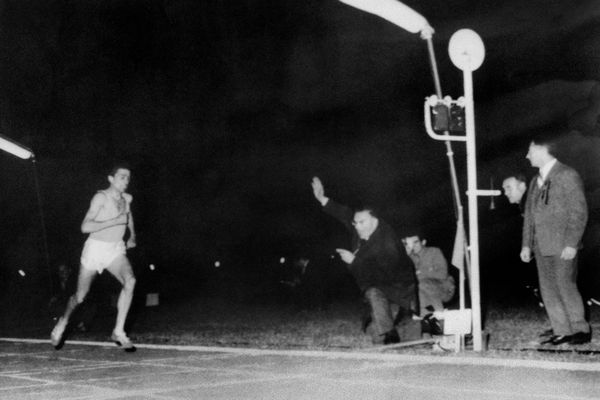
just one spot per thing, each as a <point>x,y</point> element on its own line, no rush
<point>354,355</point>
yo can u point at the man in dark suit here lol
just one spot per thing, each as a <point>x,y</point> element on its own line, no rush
<point>515,190</point>
<point>381,269</point>
<point>554,221</point>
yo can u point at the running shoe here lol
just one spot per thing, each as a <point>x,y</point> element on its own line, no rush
<point>57,337</point>
<point>123,341</point>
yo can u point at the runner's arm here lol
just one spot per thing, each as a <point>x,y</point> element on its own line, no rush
<point>131,242</point>
<point>90,224</point>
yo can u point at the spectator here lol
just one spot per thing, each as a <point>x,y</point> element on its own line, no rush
<point>436,286</point>
<point>515,190</point>
<point>555,218</point>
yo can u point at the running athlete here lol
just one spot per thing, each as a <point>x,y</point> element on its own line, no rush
<point>106,222</point>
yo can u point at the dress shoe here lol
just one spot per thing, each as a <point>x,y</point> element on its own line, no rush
<point>391,337</point>
<point>581,338</point>
<point>555,340</point>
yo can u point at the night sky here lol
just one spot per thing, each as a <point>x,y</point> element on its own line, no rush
<point>225,110</point>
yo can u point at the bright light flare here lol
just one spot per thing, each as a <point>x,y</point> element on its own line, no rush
<point>22,273</point>
<point>152,267</point>
<point>15,149</point>
<point>217,264</point>
<point>393,11</point>
<point>282,260</point>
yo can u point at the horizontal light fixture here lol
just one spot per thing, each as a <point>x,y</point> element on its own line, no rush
<point>393,11</point>
<point>15,149</point>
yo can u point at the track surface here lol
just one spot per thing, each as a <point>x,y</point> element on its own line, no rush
<point>32,369</point>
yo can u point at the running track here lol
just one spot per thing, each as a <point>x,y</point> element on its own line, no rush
<point>32,369</point>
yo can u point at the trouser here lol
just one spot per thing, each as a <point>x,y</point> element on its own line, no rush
<point>385,313</point>
<point>562,300</point>
<point>434,293</point>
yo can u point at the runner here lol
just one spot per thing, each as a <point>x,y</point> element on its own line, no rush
<point>106,222</point>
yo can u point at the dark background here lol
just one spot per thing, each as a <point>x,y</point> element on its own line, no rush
<point>226,110</point>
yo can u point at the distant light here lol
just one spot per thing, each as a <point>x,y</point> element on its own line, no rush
<point>217,264</point>
<point>282,260</point>
<point>21,272</point>
<point>152,267</point>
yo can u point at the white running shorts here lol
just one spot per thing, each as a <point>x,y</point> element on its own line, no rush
<point>97,255</point>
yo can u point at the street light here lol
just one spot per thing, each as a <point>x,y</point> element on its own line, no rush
<point>467,53</point>
<point>15,149</point>
<point>24,153</point>
<point>393,11</point>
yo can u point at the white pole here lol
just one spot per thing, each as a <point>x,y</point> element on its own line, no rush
<point>473,212</point>
<point>467,52</point>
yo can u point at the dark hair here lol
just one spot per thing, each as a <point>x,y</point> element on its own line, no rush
<point>410,232</point>
<point>547,140</point>
<point>117,166</point>
<point>518,176</point>
<point>366,207</point>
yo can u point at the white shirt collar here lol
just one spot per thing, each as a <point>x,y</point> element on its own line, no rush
<point>546,168</point>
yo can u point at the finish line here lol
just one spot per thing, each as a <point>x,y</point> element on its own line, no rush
<point>444,358</point>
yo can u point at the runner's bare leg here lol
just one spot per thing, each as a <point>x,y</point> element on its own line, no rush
<point>84,282</point>
<point>121,269</point>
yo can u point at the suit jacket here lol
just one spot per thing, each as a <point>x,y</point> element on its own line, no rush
<point>555,214</point>
<point>379,262</point>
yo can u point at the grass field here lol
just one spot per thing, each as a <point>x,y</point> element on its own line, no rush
<point>512,330</point>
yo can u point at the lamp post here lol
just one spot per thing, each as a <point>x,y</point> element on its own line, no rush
<point>24,153</point>
<point>467,52</point>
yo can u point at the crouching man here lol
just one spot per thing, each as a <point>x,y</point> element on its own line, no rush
<point>381,269</point>
<point>436,285</point>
